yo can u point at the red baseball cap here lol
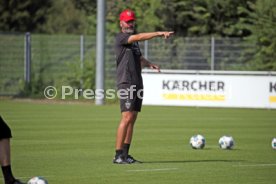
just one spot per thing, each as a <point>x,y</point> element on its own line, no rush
<point>127,15</point>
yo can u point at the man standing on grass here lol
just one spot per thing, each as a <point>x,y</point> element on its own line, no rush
<point>5,160</point>
<point>130,62</point>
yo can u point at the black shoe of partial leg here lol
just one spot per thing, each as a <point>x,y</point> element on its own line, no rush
<point>132,160</point>
<point>119,160</point>
<point>18,182</point>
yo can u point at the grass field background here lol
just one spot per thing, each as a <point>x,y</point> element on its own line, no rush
<point>73,143</point>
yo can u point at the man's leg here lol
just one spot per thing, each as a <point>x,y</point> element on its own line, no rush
<point>124,131</point>
<point>130,128</point>
<point>127,143</point>
<point>5,161</point>
<point>129,135</point>
<point>5,152</point>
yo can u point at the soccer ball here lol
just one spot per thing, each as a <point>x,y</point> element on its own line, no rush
<point>197,142</point>
<point>226,142</point>
<point>37,180</point>
<point>273,143</point>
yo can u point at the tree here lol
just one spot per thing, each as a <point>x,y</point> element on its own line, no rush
<point>90,9</point>
<point>203,18</point>
<point>23,15</point>
<point>51,16</point>
<point>262,24</point>
<point>64,18</point>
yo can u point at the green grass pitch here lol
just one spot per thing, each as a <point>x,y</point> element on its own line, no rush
<point>73,143</point>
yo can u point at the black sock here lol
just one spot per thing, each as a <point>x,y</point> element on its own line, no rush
<point>126,149</point>
<point>7,173</point>
<point>118,152</point>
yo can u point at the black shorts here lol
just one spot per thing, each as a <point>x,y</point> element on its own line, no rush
<point>5,131</point>
<point>131,97</point>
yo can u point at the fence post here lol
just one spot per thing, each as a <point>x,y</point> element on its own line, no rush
<point>81,59</point>
<point>146,46</point>
<point>27,58</point>
<point>212,53</point>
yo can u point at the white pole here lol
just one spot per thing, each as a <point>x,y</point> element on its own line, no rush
<point>100,49</point>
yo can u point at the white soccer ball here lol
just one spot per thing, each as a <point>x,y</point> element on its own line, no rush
<point>226,142</point>
<point>273,143</point>
<point>37,180</point>
<point>197,142</point>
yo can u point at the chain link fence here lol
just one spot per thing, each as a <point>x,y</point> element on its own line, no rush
<point>54,59</point>
<point>11,63</point>
<point>70,59</point>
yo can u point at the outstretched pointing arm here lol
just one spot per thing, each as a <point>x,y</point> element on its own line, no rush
<point>148,36</point>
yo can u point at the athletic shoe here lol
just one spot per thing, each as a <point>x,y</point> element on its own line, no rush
<point>120,160</point>
<point>132,160</point>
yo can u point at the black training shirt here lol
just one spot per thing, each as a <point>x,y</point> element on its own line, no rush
<point>128,61</point>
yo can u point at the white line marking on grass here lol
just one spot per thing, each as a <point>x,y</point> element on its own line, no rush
<point>256,165</point>
<point>152,170</point>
